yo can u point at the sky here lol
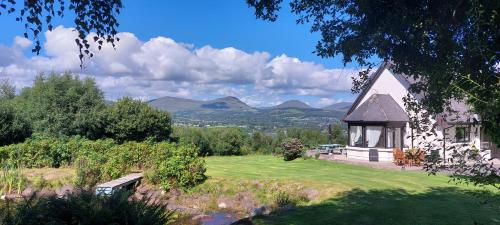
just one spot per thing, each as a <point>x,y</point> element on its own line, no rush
<point>190,49</point>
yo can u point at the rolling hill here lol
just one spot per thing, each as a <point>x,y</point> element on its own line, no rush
<point>341,106</point>
<point>292,104</point>
<point>232,111</point>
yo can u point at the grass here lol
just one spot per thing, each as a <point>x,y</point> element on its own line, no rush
<point>350,194</point>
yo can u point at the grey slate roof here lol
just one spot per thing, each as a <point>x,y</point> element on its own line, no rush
<point>378,108</point>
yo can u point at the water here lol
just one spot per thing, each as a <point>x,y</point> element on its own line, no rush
<point>218,219</point>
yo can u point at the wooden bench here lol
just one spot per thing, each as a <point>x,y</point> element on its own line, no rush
<point>111,187</point>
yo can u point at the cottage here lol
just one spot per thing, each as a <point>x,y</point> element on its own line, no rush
<point>378,122</point>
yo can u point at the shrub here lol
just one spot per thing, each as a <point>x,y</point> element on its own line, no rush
<point>133,120</point>
<point>177,166</point>
<point>40,151</point>
<point>282,198</point>
<point>13,127</point>
<point>86,208</point>
<point>292,149</point>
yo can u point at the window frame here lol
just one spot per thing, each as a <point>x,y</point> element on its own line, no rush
<point>467,134</point>
<point>384,133</point>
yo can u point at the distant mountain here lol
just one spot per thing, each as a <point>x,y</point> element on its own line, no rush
<point>341,106</point>
<point>292,104</point>
<point>174,104</point>
<point>227,103</point>
<point>230,111</point>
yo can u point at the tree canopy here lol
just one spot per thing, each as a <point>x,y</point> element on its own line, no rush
<point>62,105</point>
<point>452,48</point>
<point>90,16</point>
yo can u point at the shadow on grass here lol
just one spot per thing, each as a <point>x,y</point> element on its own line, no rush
<point>395,206</point>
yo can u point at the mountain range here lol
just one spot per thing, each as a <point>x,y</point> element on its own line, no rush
<point>229,103</point>
<point>231,111</point>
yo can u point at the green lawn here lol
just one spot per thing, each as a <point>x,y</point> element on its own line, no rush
<point>352,194</point>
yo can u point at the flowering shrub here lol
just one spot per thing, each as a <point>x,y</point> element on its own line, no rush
<point>292,149</point>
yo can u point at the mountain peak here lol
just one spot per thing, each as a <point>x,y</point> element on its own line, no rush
<point>296,104</point>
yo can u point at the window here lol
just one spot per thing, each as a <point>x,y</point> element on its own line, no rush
<point>375,136</point>
<point>462,134</point>
<point>355,135</point>
<point>393,137</point>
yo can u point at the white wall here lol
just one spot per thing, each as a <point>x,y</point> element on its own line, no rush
<point>387,83</point>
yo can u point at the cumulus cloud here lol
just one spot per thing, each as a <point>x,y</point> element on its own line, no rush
<point>162,66</point>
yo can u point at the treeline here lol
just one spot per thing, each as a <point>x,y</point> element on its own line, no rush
<point>235,141</point>
<point>64,105</point>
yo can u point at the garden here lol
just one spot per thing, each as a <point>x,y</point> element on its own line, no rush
<point>59,138</point>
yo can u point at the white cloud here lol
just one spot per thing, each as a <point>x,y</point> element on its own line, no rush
<point>162,66</point>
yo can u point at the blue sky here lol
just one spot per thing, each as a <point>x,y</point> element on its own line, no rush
<point>217,31</point>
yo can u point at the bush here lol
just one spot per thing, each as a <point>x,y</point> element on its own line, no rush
<point>86,208</point>
<point>176,166</point>
<point>292,149</point>
<point>282,198</point>
<point>167,164</point>
<point>41,151</point>
<point>133,120</point>
<point>13,127</point>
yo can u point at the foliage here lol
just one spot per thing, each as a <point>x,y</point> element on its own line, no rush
<point>41,151</point>
<point>10,180</point>
<point>133,120</point>
<point>94,20</point>
<point>234,141</point>
<point>292,149</point>
<point>86,208</point>
<point>282,198</point>
<point>450,49</point>
<point>176,166</point>
<point>13,127</point>
<point>7,90</point>
<point>167,164</point>
<point>62,105</point>
<point>214,141</point>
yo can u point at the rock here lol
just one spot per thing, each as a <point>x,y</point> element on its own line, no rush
<point>222,205</point>
<point>27,193</point>
<point>142,189</point>
<point>200,217</point>
<point>64,191</point>
<point>263,210</point>
<point>46,193</point>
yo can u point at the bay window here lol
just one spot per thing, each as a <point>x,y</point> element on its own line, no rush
<point>375,136</point>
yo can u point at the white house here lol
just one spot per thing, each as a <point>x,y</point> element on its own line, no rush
<point>378,122</point>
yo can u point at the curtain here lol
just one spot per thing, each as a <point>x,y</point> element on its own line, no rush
<point>373,135</point>
<point>390,141</point>
<point>397,137</point>
<point>355,133</point>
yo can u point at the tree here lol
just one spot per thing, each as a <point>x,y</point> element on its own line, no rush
<point>62,105</point>
<point>13,128</point>
<point>96,16</point>
<point>133,120</point>
<point>450,48</point>
<point>7,90</point>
